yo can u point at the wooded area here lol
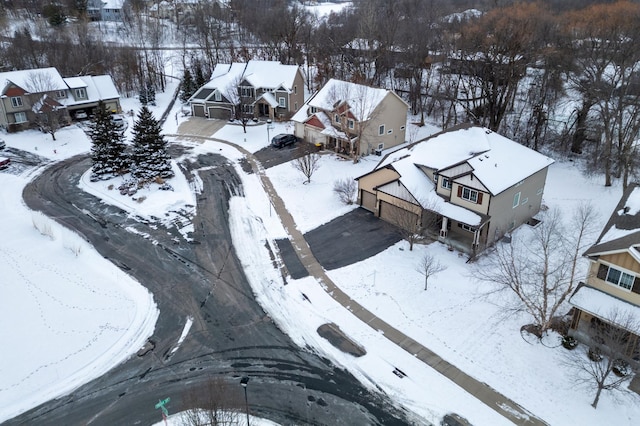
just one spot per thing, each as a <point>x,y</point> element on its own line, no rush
<point>554,75</point>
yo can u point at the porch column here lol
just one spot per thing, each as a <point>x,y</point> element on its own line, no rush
<point>476,237</point>
<point>443,229</point>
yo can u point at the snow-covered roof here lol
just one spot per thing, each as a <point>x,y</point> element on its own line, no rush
<point>497,162</point>
<point>99,87</point>
<point>270,99</point>
<point>622,231</point>
<point>270,75</point>
<point>224,79</point>
<point>362,100</point>
<point>422,190</point>
<point>604,305</point>
<point>34,80</point>
<point>113,4</point>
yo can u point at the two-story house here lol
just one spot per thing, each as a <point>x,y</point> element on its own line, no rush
<point>261,88</point>
<point>611,293</point>
<point>352,119</point>
<point>467,185</point>
<point>25,94</point>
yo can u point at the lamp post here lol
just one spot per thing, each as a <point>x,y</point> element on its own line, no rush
<point>269,127</point>
<point>243,383</point>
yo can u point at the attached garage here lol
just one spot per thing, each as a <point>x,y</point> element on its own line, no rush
<point>368,200</point>
<point>397,215</point>
<point>220,113</point>
<point>197,110</point>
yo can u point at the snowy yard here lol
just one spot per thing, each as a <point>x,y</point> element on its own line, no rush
<point>48,279</point>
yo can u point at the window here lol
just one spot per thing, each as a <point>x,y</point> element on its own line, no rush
<point>380,146</point>
<point>21,117</point>
<point>336,118</point>
<point>295,90</point>
<point>401,127</point>
<point>16,101</point>
<point>295,106</point>
<point>469,195</point>
<point>445,183</point>
<point>314,110</point>
<point>61,94</point>
<point>381,130</point>
<point>467,227</point>
<point>616,276</point>
<point>282,102</point>
<point>540,191</point>
<point>351,123</point>
<point>81,93</point>
<point>245,92</point>
<point>217,96</point>
<point>389,131</point>
<point>524,201</point>
<point>516,200</point>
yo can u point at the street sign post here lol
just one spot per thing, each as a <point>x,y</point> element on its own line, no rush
<point>161,404</point>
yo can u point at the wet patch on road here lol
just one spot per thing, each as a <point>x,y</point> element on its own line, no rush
<point>332,333</point>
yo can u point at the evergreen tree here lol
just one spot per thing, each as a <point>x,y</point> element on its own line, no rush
<point>108,148</point>
<point>143,95</point>
<point>199,75</point>
<point>150,157</point>
<point>188,86</point>
<point>151,93</point>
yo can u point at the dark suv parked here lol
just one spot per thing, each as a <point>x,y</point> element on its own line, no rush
<point>283,140</point>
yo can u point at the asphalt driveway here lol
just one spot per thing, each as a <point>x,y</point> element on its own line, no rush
<point>351,238</point>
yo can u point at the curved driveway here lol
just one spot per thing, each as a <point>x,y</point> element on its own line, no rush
<point>231,335</point>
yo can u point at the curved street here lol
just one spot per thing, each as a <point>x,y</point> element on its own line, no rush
<point>231,336</point>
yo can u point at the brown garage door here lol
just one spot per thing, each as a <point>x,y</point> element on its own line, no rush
<point>396,215</point>
<point>198,110</point>
<point>368,200</point>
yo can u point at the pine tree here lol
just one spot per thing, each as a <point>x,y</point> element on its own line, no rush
<point>143,96</point>
<point>150,158</point>
<point>151,93</point>
<point>108,148</point>
<point>188,87</point>
<point>199,75</point>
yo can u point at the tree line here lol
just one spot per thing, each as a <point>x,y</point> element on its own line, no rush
<point>551,74</point>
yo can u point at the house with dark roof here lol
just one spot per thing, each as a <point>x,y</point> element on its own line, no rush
<point>266,89</point>
<point>611,292</point>
<point>467,185</point>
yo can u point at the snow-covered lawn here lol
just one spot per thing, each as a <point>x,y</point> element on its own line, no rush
<point>51,284</point>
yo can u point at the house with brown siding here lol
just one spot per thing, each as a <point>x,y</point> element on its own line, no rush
<point>467,185</point>
<point>352,119</point>
<point>611,292</point>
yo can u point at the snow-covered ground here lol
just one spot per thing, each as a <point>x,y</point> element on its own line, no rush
<point>449,318</point>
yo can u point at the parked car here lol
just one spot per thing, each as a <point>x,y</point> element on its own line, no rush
<point>4,162</point>
<point>3,144</point>
<point>81,115</point>
<point>121,121</point>
<point>283,140</point>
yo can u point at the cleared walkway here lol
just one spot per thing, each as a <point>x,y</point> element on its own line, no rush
<point>489,396</point>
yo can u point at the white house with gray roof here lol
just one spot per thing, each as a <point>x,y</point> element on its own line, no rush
<point>467,185</point>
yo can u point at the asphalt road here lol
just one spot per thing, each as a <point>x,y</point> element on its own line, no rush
<point>231,335</point>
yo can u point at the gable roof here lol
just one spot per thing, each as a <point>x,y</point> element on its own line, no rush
<point>44,79</point>
<point>98,87</point>
<point>225,78</point>
<point>622,231</point>
<point>362,100</point>
<point>497,162</point>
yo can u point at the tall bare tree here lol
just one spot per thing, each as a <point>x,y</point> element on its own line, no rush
<point>214,403</point>
<point>539,271</point>
<point>49,113</point>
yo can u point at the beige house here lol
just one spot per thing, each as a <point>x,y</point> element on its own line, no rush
<point>352,119</point>
<point>612,289</point>
<point>27,93</point>
<point>266,89</point>
<point>467,185</point>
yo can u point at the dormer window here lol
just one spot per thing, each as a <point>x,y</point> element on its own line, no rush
<point>218,96</point>
<point>81,93</point>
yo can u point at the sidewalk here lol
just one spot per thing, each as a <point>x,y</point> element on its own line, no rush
<point>490,397</point>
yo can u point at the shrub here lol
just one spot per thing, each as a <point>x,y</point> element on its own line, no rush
<point>569,342</point>
<point>346,190</point>
<point>621,368</point>
<point>595,354</point>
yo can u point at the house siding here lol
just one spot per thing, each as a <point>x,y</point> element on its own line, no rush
<point>504,217</point>
<point>377,178</point>
<point>612,289</point>
<point>481,207</point>
<point>392,113</point>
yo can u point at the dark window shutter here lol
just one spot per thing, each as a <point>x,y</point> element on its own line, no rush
<point>459,191</point>
<point>636,285</point>
<point>602,271</point>
<point>479,197</point>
